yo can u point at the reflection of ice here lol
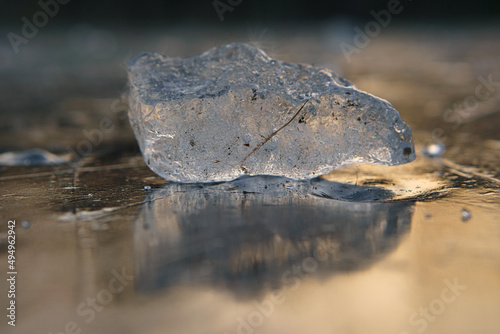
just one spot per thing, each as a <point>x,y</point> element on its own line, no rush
<point>244,235</point>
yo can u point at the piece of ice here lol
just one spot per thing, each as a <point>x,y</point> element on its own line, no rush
<point>32,157</point>
<point>466,215</point>
<point>233,110</point>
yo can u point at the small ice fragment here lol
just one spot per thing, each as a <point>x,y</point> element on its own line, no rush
<point>434,150</point>
<point>466,215</point>
<point>32,157</point>
<point>25,224</point>
<point>147,188</point>
<point>234,111</point>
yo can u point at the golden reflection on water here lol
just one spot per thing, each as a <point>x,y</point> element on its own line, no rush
<point>212,261</point>
<point>398,290</point>
<point>236,274</point>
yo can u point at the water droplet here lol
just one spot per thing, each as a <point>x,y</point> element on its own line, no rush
<point>434,150</point>
<point>466,215</point>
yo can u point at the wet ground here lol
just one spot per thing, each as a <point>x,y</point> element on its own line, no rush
<point>103,245</point>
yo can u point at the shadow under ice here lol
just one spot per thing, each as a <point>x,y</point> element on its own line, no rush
<point>256,233</point>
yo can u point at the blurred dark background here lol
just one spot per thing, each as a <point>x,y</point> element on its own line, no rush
<point>151,12</point>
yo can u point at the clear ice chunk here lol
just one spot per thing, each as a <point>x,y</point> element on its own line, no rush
<point>234,111</point>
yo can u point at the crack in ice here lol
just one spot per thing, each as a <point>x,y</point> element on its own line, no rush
<point>272,135</point>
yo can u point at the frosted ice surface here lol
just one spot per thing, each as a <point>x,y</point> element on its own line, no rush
<point>234,111</point>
